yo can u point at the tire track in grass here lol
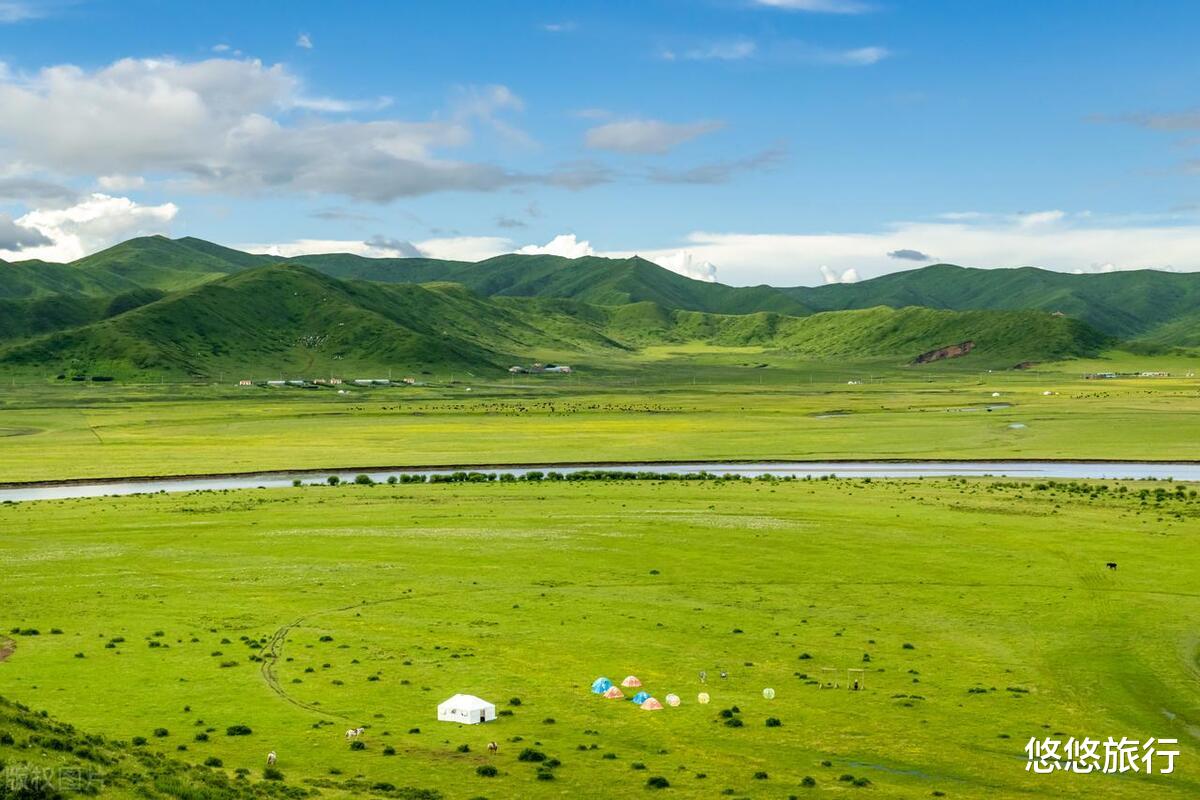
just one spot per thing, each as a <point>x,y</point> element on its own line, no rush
<point>278,639</point>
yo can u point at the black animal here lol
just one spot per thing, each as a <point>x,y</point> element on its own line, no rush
<point>1111,565</point>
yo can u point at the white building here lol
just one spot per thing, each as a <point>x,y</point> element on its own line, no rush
<point>466,709</point>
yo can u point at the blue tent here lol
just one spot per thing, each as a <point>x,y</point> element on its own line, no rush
<point>640,697</point>
<point>601,685</point>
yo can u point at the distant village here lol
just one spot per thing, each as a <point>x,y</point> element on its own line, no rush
<point>535,368</point>
<point>1100,376</point>
<point>317,383</point>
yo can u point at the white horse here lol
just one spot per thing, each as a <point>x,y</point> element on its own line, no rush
<point>493,747</point>
<point>271,759</point>
<point>354,733</point>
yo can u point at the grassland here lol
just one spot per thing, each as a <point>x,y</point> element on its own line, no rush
<point>674,403</point>
<point>369,605</point>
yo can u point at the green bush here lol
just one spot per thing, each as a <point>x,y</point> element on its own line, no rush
<point>238,730</point>
<point>529,754</point>
<point>213,761</point>
<point>658,782</point>
<point>486,771</point>
<point>272,774</point>
<point>358,745</point>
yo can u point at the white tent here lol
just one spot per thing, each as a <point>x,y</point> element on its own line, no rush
<point>466,709</point>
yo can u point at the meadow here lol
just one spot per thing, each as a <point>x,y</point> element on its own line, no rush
<point>669,403</point>
<point>981,612</point>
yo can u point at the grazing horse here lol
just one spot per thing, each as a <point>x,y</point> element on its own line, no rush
<point>271,759</point>
<point>354,733</point>
<point>493,747</point>
<point>1111,565</point>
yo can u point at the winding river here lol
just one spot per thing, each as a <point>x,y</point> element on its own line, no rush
<point>1111,470</point>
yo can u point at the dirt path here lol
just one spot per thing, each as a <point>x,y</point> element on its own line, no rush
<point>7,648</point>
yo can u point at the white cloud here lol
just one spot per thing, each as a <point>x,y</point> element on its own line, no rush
<point>686,263</point>
<point>18,11</point>
<point>734,50</point>
<point>121,183</point>
<point>858,57</point>
<point>92,224</point>
<point>304,41</point>
<point>559,27</point>
<point>1065,243</point>
<point>486,103</point>
<point>565,244</point>
<point>817,6</point>
<point>225,125</point>
<point>15,238</point>
<point>646,136</point>
<point>832,276</point>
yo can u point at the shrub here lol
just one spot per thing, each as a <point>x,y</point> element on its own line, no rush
<point>161,732</point>
<point>297,482</point>
<point>545,776</point>
<point>363,480</point>
<point>861,782</point>
<point>529,754</point>
<point>325,638</point>
<point>773,722</point>
<point>637,765</point>
<point>609,756</point>
<point>808,781</point>
<point>333,480</point>
<point>908,646</point>
<point>272,774</point>
<point>464,748</point>
<point>139,741</point>
<point>238,730</point>
<point>201,737</point>
<point>734,722</point>
<point>213,761</point>
<point>486,771</point>
<point>514,701</point>
<point>358,745</point>
<point>389,751</point>
<point>657,782</point>
<point>760,776</point>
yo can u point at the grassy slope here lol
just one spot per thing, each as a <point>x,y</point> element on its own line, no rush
<point>44,758</point>
<point>1123,304</point>
<point>532,591</point>
<point>291,319</point>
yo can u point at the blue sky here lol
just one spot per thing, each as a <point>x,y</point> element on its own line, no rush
<point>781,141</point>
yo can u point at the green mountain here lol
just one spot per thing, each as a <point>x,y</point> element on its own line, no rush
<point>288,321</point>
<point>591,279</point>
<point>1156,307</point>
<point>1138,304</point>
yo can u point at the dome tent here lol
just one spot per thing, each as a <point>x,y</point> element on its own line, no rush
<point>614,693</point>
<point>631,681</point>
<point>601,685</point>
<point>640,697</point>
<point>672,700</point>
<point>651,705</point>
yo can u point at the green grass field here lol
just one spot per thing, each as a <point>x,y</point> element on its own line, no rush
<point>531,590</point>
<point>673,404</point>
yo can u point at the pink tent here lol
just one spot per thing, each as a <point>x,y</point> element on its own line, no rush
<point>631,680</point>
<point>652,705</point>
<point>614,693</point>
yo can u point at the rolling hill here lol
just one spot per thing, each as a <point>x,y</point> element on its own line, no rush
<point>288,320</point>
<point>1152,306</point>
<point>1138,304</point>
